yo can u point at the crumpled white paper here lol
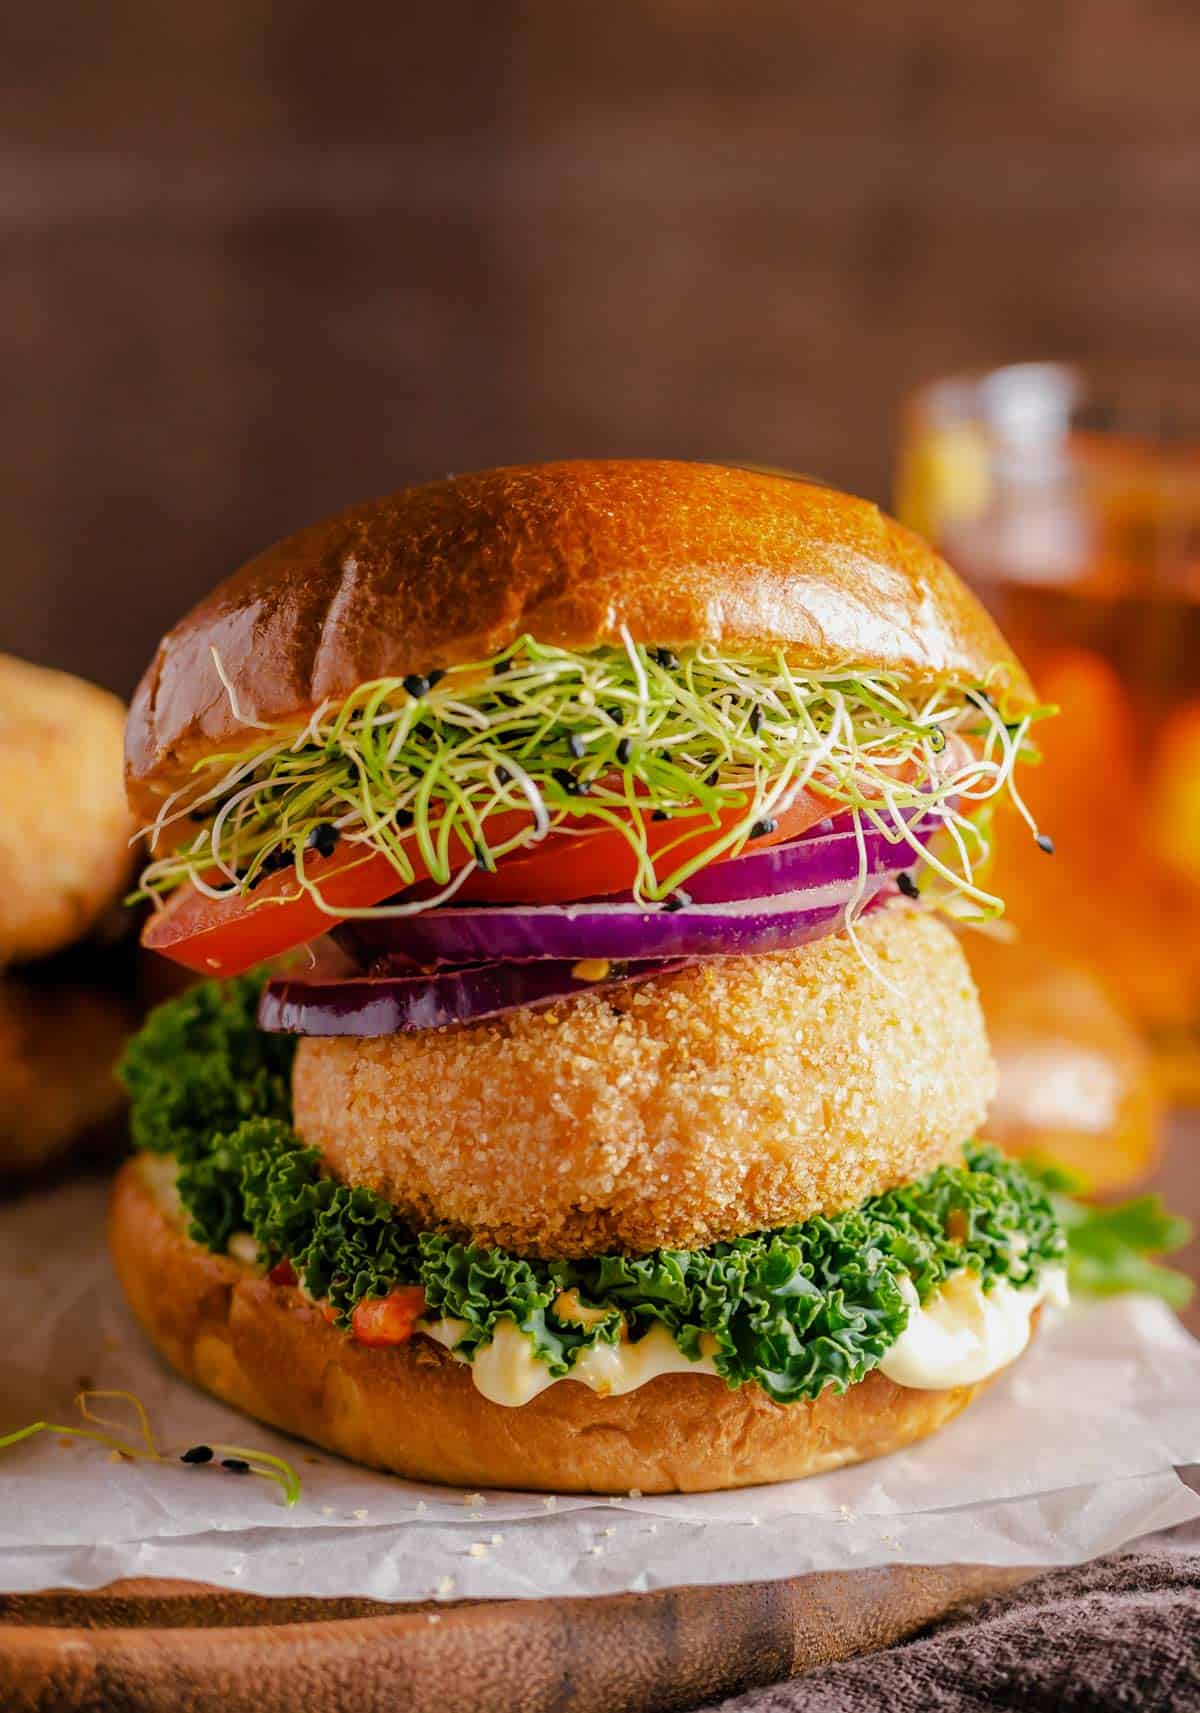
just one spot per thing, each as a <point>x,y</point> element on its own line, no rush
<point>1070,1455</point>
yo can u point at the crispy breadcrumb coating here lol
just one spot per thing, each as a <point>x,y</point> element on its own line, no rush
<point>738,1094</point>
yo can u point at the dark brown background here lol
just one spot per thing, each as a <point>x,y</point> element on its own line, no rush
<point>260,259</point>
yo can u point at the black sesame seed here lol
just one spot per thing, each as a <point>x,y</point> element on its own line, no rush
<point>324,839</point>
<point>501,667</point>
<point>416,684</point>
<point>660,815</point>
<point>760,829</point>
<point>1045,843</point>
<point>483,857</point>
<point>198,814</point>
<point>434,677</point>
<point>756,720</point>
<point>197,1454</point>
<point>577,746</point>
<point>679,900</point>
<point>664,658</point>
<point>235,1465</point>
<point>507,700</point>
<point>402,818</point>
<point>907,884</point>
<point>624,752</point>
<point>713,777</point>
<point>503,776</point>
<point>572,786</point>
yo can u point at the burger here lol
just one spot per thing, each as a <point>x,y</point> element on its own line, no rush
<point>64,863</point>
<point>581,1089</point>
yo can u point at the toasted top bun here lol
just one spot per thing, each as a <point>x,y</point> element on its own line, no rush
<point>571,553</point>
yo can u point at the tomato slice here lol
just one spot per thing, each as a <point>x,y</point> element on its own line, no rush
<point>566,867</point>
<point>379,1321</point>
<point>222,937</point>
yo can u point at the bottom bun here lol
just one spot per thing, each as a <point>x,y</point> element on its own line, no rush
<point>415,1411</point>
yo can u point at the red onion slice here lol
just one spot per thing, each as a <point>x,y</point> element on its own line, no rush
<point>406,1004</point>
<point>794,893</point>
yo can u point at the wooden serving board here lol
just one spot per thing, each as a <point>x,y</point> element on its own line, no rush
<point>167,1646</point>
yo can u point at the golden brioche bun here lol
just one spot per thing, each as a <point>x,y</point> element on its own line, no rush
<point>737,1095</point>
<point>414,1411</point>
<point>438,575</point>
<point>64,835</point>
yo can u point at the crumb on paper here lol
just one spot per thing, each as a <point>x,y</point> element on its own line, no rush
<point>755,1522</point>
<point>327,1510</point>
<point>361,1515</point>
<point>635,1492</point>
<point>422,1507</point>
<point>609,1532</point>
<point>550,1501</point>
<point>653,1528</point>
<point>497,1540</point>
<point>445,1586</point>
<point>474,1500</point>
<point>846,1514</point>
<point>616,1499</point>
<point>597,1550</point>
<point>478,1549</point>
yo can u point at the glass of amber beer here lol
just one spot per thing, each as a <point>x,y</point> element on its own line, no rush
<point>1070,498</point>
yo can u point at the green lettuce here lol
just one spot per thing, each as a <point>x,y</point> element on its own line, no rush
<point>1110,1246</point>
<point>793,1310</point>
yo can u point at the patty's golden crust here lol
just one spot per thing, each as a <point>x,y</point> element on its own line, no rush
<point>64,833</point>
<point>739,1094</point>
<point>414,1411</point>
<point>437,575</point>
<point>58,1047</point>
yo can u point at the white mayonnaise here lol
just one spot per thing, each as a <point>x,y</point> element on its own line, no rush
<point>964,1333</point>
<point>506,1371</point>
<point>159,1174</point>
<point>243,1248</point>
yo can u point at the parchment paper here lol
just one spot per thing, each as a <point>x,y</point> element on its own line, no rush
<point>1071,1455</point>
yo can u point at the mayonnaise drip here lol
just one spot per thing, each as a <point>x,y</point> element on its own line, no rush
<point>963,1333</point>
<point>506,1370</point>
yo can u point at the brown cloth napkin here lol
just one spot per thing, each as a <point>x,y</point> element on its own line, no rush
<point>1119,1634</point>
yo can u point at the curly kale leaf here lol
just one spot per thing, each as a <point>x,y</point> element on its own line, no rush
<point>200,1066</point>
<point>795,1311</point>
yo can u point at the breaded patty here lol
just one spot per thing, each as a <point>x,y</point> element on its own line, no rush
<point>64,834</point>
<point>738,1094</point>
<point>58,1046</point>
